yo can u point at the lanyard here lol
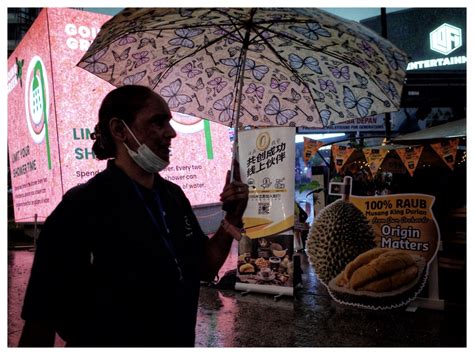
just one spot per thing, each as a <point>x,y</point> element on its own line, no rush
<point>160,230</point>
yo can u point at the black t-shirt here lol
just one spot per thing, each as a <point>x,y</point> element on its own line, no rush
<point>103,272</point>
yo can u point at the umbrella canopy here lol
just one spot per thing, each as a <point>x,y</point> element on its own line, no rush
<point>454,129</point>
<point>256,67</point>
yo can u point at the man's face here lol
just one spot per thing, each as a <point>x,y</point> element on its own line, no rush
<point>152,127</point>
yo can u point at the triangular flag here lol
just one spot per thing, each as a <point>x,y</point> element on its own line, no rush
<point>310,147</point>
<point>374,158</point>
<point>447,151</point>
<point>340,154</point>
<point>410,157</point>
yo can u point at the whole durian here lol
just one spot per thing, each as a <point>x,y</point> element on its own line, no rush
<point>339,233</point>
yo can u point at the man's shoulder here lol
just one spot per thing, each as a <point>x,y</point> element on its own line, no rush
<point>95,186</point>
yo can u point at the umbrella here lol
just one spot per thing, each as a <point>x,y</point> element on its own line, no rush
<point>449,130</point>
<point>252,66</point>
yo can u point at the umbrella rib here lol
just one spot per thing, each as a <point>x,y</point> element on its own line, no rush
<point>284,62</point>
<point>306,45</point>
<point>204,47</point>
<point>324,51</point>
<point>171,27</point>
<point>237,28</point>
<point>234,21</point>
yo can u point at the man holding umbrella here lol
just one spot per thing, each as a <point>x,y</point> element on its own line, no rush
<point>119,261</point>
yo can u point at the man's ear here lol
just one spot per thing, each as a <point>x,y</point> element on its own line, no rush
<point>117,129</point>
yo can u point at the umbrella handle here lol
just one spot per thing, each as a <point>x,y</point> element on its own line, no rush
<point>235,155</point>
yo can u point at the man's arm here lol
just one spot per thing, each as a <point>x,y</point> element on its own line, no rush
<point>234,198</point>
<point>37,334</point>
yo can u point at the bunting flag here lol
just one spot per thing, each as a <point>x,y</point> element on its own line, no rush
<point>340,154</point>
<point>310,147</point>
<point>410,157</point>
<point>374,158</point>
<point>447,151</point>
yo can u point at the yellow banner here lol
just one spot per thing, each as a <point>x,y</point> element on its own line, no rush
<point>374,158</point>
<point>266,228</point>
<point>310,147</point>
<point>402,221</point>
<point>447,151</point>
<point>340,154</point>
<point>410,157</point>
<point>267,165</point>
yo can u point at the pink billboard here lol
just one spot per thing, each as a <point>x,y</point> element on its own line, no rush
<point>52,109</point>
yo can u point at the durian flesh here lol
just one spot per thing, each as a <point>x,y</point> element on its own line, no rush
<point>338,234</point>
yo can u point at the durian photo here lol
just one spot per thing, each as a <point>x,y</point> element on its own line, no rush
<point>339,233</point>
<point>380,278</point>
<point>342,250</point>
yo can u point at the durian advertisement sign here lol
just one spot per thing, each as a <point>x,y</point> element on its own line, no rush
<point>374,252</point>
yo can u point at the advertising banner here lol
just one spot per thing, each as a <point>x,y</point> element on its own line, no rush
<point>410,157</point>
<point>310,147</point>
<point>53,106</point>
<point>33,144</point>
<point>360,124</point>
<point>340,154</point>
<point>374,252</point>
<point>374,158</point>
<point>267,163</point>
<point>447,151</point>
<point>402,221</point>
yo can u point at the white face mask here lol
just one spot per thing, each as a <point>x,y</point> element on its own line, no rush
<point>144,156</point>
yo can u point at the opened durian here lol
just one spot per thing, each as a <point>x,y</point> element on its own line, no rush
<point>338,234</point>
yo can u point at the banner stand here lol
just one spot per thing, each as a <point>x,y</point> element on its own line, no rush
<point>265,254</point>
<point>278,291</point>
<point>433,301</point>
<point>405,222</point>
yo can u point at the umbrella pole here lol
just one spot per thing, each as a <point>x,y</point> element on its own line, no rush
<point>387,118</point>
<point>235,148</point>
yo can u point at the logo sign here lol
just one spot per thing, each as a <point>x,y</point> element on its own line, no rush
<point>445,39</point>
<point>263,141</point>
<point>37,102</point>
<point>36,99</point>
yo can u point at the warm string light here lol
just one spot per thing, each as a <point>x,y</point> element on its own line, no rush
<point>463,158</point>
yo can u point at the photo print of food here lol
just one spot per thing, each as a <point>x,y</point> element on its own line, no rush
<point>266,261</point>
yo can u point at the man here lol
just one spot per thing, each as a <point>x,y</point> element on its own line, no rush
<point>119,261</point>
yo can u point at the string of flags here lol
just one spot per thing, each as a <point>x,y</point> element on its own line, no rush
<point>410,156</point>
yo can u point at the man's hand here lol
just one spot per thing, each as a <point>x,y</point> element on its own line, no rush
<point>234,197</point>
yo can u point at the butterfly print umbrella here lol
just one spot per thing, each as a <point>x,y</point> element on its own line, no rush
<point>256,67</point>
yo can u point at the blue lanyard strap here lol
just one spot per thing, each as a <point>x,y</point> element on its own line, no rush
<point>160,230</point>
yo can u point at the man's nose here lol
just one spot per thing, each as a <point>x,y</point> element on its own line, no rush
<point>170,132</point>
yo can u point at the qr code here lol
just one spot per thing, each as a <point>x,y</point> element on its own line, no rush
<point>264,208</point>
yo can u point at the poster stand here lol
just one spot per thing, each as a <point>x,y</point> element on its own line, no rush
<point>277,291</point>
<point>432,301</point>
<point>265,254</point>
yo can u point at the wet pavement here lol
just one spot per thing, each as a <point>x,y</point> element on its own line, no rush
<point>228,318</point>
